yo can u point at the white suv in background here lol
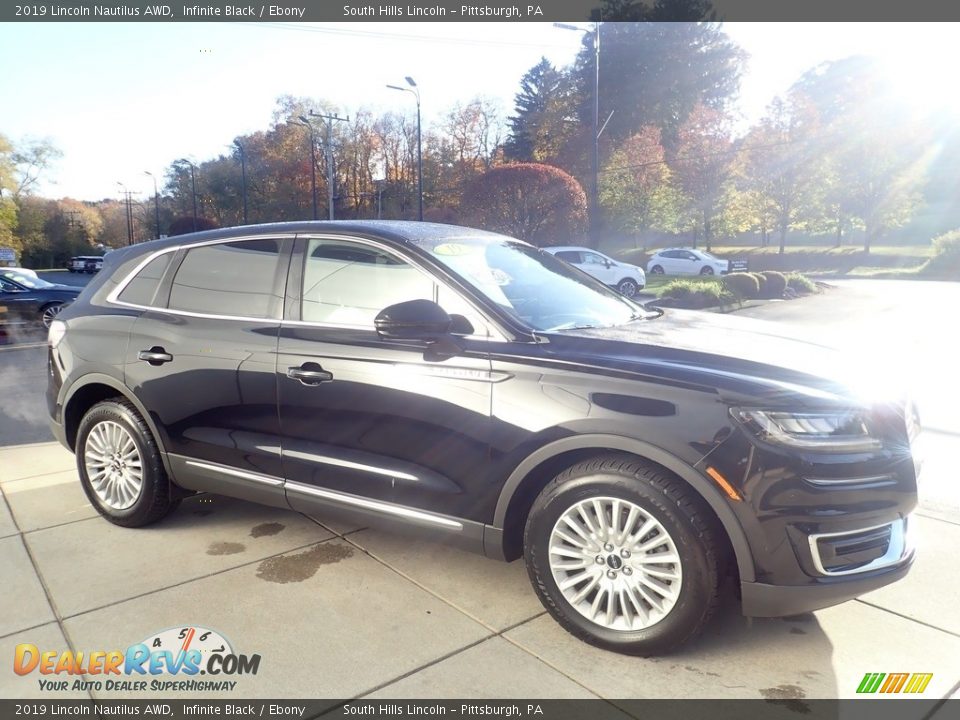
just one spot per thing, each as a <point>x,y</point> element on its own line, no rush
<point>686,261</point>
<point>627,279</point>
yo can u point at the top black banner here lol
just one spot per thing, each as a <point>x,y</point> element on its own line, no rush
<point>472,11</point>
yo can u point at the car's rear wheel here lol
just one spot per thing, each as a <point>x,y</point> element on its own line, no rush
<point>50,312</point>
<point>656,270</point>
<point>120,466</point>
<point>707,270</point>
<point>624,555</point>
<point>627,287</point>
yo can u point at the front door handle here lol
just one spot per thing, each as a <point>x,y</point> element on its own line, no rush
<point>310,374</point>
<point>155,355</point>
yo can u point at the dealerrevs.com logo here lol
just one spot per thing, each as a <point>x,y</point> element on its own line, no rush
<point>170,660</point>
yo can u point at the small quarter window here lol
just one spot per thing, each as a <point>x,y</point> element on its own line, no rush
<point>142,289</point>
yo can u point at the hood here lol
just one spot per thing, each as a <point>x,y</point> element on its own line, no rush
<point>737,357</point>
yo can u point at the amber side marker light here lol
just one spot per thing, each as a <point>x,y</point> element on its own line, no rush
<point>724,485</point>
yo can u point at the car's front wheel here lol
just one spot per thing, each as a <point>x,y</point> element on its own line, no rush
<point>120,466</point>
<point>706,270</point>
<point>627,287</point>
<point>624,555</point>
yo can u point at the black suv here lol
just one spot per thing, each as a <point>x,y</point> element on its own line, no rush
<point>475,386</point>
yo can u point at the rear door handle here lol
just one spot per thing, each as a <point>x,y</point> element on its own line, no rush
<point>155,356</point>
<point>310,374</point>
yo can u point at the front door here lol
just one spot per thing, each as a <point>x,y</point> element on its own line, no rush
<point>386,427</point>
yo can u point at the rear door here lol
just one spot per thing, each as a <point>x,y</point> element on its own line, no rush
<point>386,427</point>
<point>202,360</point>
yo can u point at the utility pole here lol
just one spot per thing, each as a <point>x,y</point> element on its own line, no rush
<point>243,173</point>
<point>328,148</point>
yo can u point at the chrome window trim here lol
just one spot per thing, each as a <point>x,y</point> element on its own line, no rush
<point>896,551</point>
<point>495,332</point>
<point>234,472</point>
<point>401,511</point>
<point>114,297</point>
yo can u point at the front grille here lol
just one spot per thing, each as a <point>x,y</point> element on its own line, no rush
<point>859,550</point>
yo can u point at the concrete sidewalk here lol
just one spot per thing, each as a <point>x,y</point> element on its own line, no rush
<point>342,611</point>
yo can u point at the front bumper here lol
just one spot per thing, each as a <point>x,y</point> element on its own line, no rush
<point>761,600</point>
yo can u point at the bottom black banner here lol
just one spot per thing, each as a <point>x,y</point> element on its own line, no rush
<point>793,709</point>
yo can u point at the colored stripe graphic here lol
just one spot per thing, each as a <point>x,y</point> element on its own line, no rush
<point>894,683</point>
<point>918,683</point>
<point>870,682</point>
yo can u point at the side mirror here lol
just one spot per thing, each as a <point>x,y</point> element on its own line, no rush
<point>413,320</point>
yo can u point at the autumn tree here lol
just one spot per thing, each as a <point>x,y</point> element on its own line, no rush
<point>635,190</point>
<point>873,147</point>
<point>701,166</point>
<point>537,203</point>
<point>782,167</point>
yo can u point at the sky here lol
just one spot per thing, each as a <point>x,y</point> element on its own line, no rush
<point>119,99</point>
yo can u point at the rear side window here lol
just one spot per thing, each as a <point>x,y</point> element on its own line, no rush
<point>142,289</point>
<point>234,279</point>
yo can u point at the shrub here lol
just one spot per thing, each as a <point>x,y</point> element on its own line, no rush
<point>761,283</point>
<point>774,284</point>
<point>800,284</point>
<point>694,295</point>
<point>946,260</point>
<point>742,285</point>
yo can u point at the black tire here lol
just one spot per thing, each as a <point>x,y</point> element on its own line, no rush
<point>156,498</point>
<point>679,510</point>
<point>656,270</point>
<point>628,287</point>
<point>707,270</point>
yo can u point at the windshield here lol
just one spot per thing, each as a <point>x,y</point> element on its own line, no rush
<point>530,284</point>
<point>27,280</point>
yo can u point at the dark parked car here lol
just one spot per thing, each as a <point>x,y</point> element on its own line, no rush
<point>85,264</point>
<point>475,386</point>
<point>26,300</point>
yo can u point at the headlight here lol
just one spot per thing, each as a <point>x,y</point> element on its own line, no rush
<point>838,431</point>
<point>55,333</point>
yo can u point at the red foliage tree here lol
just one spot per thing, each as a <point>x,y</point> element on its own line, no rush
<point>537,203</point>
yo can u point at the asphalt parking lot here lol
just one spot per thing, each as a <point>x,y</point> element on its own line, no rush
<point>339,610</point>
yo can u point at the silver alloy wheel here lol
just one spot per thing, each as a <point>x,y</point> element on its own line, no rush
<point>50,313</point>
<point>113,464</point>
<point>628,288</point>
<point>615,563</point>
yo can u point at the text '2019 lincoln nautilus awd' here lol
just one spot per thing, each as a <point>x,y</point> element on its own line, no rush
<point>475,386</point>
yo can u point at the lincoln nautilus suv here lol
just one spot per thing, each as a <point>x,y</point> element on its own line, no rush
<point>474,387</point>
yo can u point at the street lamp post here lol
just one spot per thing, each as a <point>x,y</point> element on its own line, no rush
<point>416,93</point>
<point>193,186</point>
<point>304,120</point>
<point>595,163</point>
<point>243,176</point>
<point>156,200</point>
